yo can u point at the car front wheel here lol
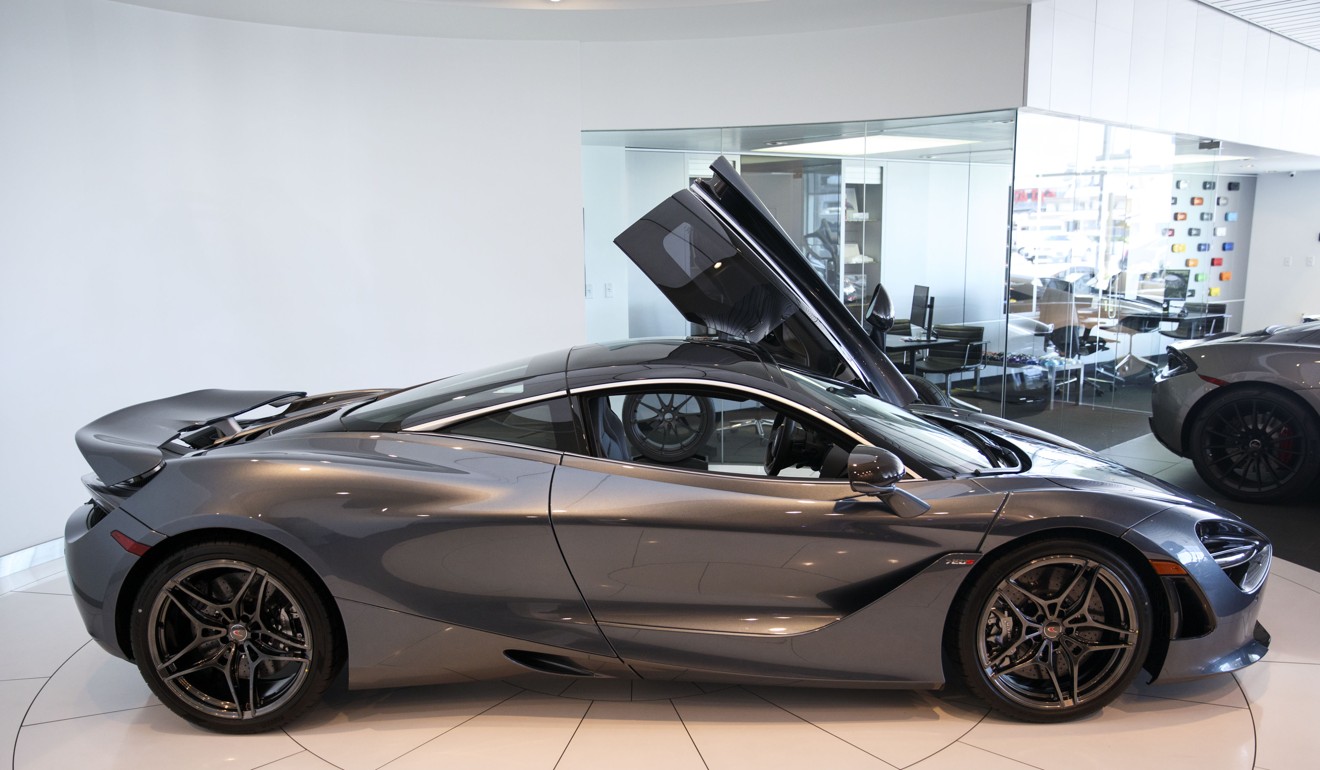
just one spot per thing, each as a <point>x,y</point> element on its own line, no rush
<point>1256,445</point>
<point>233,637</point>
<point>1053,631</point>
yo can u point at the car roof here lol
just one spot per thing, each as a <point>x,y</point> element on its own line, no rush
<point>647,359</point>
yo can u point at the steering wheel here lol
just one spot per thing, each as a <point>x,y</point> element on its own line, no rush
<point>779,452</point>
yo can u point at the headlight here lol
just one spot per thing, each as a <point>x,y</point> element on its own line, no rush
<point>1240,551</point>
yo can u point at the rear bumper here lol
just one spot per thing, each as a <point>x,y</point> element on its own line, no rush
<point>98,569</point>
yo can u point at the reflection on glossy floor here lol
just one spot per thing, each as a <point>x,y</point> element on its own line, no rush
<point>66,704</point>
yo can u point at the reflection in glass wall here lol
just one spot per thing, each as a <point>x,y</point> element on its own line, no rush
<point>1124,241</point>
<point>920,206</point>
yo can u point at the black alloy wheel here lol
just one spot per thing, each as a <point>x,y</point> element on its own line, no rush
<point>668,427</point>
<point>1256,445</point>
<point>232,637</point>
<point>1052,631</point>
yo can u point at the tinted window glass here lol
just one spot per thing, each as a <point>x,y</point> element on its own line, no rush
<point>461,393</point>
<point>710,430</point>
<point>547,425</point>
<point>930,448</point>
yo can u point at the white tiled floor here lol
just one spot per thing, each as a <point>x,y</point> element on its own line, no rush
<point>64,703</point>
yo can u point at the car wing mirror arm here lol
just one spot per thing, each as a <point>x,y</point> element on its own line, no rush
<point>875,471</point>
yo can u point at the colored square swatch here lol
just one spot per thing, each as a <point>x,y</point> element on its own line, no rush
<point>1202,247</point>
<point>1227,275</point>
<point>1234,185</point>
<point>1179,248</point>
<point>1213,291</point>
<point>1179,216</point>
<point>1216,261</point>
<point>1169,231</point>
<point>1221,232</point>
<point>1198,201</point>
<point>1206,216</point>
<point>1221,201</point>
<point>1230,216</point>
<point>1182,184</point>
<point>1207,185</point>
<point>1193,231</point>
<point>1191,262</point>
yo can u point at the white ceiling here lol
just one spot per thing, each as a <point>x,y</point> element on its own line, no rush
<point>586,20</point>
<point>1296,19</point>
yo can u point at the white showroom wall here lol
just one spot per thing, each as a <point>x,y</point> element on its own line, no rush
<point>1174,65</point>
<point>187,202</point>
<point>942,66</point>
<point>1284,283</point>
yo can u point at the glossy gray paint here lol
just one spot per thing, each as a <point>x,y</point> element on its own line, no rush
<point>1288,361</point>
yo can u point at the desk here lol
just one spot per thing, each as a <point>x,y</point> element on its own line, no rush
<point>904,345</point>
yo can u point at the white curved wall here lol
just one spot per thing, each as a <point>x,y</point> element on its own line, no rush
<point>187,202</point>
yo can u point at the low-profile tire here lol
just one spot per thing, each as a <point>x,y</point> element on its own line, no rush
<point>1256,445</point>
<point>233,637</point>
<point>1052,631</point>
<point>927,391</point>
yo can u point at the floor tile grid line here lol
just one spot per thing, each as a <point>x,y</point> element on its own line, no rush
<point>1188,700</point>
<point>569,742</point>
<point>90,716</point>
<point>13,754</point>
<point>695,747</point>
<point>959,739</point>
<point>291,756</point>
<point>991,753</point>
<point>1255,736</point>
<point>818,727</point>
<point>440,735</point>
<point>1277,576</point>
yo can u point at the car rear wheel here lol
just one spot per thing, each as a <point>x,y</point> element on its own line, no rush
<point>233,637</point>
<point>1256,445</point>
<point>1052,631</point>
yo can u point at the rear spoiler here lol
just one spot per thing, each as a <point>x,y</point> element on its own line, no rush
<point>132,441</point>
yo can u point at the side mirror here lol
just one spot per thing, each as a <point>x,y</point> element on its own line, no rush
<point>879,314</point>
<point>876,471</point>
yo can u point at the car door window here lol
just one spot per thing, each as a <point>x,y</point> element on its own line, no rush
<point>712,430</point>
<point>545,424</point>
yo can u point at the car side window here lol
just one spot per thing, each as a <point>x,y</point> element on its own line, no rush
<point>711,430</point>
<point>545,425</point>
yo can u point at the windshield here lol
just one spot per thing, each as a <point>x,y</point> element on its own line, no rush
<point>461,393</point>
<point>930,449</point>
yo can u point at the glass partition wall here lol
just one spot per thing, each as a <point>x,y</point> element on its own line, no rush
<point>1072,261</point>
<point>1124,242</point>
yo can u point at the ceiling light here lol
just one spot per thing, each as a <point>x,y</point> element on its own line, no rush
<point>868,145</point>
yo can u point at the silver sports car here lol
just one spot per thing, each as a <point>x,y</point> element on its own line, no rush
<point>1246,409</point>
<point>767,505</point>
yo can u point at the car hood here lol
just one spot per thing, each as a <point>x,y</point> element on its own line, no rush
<point>718,255</point>
<point>1058,462</point>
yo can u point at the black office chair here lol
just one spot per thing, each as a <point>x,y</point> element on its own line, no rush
<point>968,355</point>
<point>1199,320</point>
<point>1077,341</point>
<point>1130,326</point>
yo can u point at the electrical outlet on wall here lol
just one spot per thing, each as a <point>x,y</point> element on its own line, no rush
<point>609,290</point>
<point>1287,261</point>
<point>1310,261</point>
<point>588,291</point>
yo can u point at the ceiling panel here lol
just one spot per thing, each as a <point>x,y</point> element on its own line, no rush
<point>1295,19</point>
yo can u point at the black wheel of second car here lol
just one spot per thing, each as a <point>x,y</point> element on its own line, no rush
<point>1257,445</point>
<point>1053,630</point>
<point>668,427</point>
<point>232,637</point>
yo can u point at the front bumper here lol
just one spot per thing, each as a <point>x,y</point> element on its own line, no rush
<point>98,568</point>
<point>1230,637</point>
